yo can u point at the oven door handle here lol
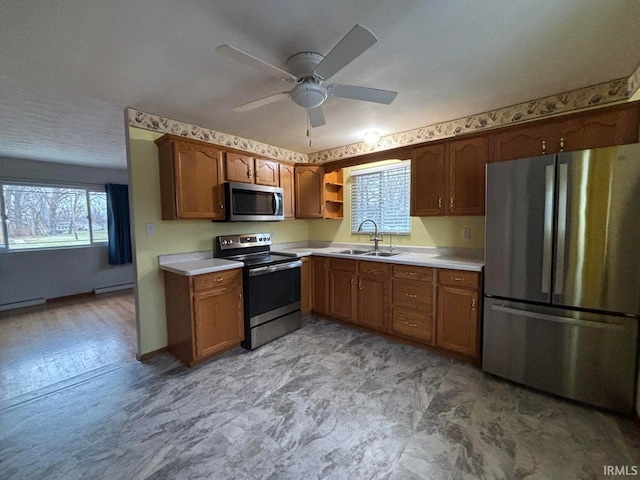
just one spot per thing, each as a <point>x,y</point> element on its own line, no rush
<point>254,272</point>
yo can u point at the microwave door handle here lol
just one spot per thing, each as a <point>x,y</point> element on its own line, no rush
<point>276,203</point>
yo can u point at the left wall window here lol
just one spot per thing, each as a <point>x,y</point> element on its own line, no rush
<point>47,216</point>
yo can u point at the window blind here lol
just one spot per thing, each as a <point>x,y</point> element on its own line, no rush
<point>382,195</point>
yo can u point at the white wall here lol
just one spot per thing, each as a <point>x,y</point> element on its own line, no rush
<point>28,275</point>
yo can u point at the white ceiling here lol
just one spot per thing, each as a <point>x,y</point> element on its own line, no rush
<point>68,68</point>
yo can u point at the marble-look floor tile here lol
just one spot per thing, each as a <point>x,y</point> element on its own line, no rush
<point>325,402</point>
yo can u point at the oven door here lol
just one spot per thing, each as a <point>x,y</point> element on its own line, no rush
<point>248,202</point>
<point>272,291</point>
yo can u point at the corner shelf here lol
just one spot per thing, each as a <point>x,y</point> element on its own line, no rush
<point>333,194</point>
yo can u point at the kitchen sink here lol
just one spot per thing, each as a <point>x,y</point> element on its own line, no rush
<point>354,252</point>
<point>381,254</point>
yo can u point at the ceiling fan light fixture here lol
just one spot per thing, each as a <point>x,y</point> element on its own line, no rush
<point>309,94</point>
<point>371,137</point>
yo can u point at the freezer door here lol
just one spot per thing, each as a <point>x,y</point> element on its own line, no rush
<point>519,229</point>
<point>597,251</point>
<point>582,356</point>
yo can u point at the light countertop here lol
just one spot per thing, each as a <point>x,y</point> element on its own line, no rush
<point>195,263</point>
<point>436,259</point>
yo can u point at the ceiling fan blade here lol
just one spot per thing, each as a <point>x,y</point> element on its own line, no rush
<point>248,59</point>
<point>261,102</point>
<point>316,117</point>
<point>362,93</point>
<point>352,45</point>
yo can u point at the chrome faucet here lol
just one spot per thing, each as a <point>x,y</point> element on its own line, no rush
<point>372,238</point>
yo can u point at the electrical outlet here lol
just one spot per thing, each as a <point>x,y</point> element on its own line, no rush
<point>151,229</point>
<point>466,233</point>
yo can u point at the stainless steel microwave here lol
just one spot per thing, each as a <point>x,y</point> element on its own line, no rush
<point>247,202</point>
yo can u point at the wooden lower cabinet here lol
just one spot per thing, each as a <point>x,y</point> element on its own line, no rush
<point>373,295</point>
<point>342,289</point>
<point>458,312</point>
<point>412,303</point>
<point>305,286</point>
<point>436,307</point>
<point>204,314</point>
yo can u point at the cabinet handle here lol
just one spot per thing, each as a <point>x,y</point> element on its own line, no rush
<point>410,324</point>
<point>439,202</point>
<point>360,285</point>
<point>562,144</point>
<point>452,201</point>
<point>411,295</point>
<point>222,206</point>
<point>473,304</point>
<point>544,147</point>
<point>240,296</point>
<point>413,274</point>
<point>249,173</point>
<point>458,279</point>
<point>352,282</point>
<point>219,279</point>
<point>257,173</point>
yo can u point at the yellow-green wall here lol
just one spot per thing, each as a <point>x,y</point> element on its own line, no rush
<point>175,236</point>
<point>425,231</point>
<point>183,236</point>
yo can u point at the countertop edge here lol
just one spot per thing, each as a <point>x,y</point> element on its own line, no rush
<point>196,267</point>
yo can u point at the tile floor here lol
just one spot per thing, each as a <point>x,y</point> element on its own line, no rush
<point>326,401</point>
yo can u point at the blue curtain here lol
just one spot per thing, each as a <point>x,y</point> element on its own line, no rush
<point>119,225</point>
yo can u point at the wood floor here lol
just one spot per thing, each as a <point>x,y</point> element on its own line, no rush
<point>41,346</point>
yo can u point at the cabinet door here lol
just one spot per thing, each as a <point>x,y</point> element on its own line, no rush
<point>467,160</point>
<point>218,316</point>
<point>199,191</point>
<point>524,142</point>
<point>319,280</point>
<point>428,180</point>
<point>305,285</point>
<point>286,182</point>
<point>342,299</point>
<point>309,187</point>
<point>373,295</point>
<point>457,320</point>
<point>239,168</point>
<point>599,129</point>
<point>267,172</point>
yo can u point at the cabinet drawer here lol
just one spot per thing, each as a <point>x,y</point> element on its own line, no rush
<point>342,264</point>
<point>208,281</point>
<point>412,324</point>
<point>413,294</point>
<point>373,268</point>
<point>409,272</point>
<point>458,278</point>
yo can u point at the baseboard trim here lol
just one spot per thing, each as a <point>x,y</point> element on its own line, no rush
<point>149,355</point>
<point>113,288</point>
<point>22,304</point>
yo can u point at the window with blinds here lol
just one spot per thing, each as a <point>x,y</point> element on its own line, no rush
<point>382,195</point>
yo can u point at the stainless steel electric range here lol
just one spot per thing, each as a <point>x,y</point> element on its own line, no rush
<point>271,287</point>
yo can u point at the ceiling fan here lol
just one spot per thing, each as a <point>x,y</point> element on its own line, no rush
<point>308,71</point>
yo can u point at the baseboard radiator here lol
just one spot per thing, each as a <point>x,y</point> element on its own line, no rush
<point>112,288</point>
<point>22,304</point>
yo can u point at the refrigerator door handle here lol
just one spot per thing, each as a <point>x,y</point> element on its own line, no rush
<point>558,319</point>
<point>548,229</point>
<point>563,170</point>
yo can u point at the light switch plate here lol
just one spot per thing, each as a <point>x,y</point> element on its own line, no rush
<point>151,228</point>
<point>466,233</point>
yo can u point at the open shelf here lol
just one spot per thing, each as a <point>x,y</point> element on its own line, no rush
<point>333,194</point>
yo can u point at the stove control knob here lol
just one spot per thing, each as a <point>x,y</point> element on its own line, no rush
<point>261,239</point>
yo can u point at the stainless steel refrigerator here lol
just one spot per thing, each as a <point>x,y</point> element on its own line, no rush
<point>562,274</point>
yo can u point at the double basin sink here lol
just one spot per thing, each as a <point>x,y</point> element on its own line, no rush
<point>368,253</point>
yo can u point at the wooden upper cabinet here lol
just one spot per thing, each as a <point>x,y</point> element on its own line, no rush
<point>309,188</point>
<point>598,129</point>
<point>524,142</point>
<point>191,182</point>
<point>448,178</point>
<point>467,160</point>
<point>287,184</point>
<point>239,168</point>
<point>581,131</point>
<point>428,180</point>
<point>247,169</point>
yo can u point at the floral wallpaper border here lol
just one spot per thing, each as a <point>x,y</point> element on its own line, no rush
<point>156,123</point>
<point>614,91</point>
